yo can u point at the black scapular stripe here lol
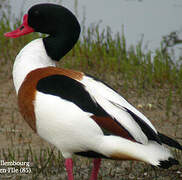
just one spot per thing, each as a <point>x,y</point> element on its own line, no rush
<point>71,90</point>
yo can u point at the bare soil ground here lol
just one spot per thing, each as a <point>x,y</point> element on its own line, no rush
<point>18,142</point>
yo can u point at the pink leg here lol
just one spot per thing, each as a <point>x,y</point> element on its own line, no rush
<point>69,168</point>
<point>95,169</point>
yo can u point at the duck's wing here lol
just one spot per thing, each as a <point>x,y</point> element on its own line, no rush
<point>120,110</point>
<point>105,106</point>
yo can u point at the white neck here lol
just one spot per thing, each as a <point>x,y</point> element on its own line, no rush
<point>31,57</point>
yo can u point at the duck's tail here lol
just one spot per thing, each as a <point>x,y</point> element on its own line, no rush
<point>153,153</point>
<point>168,163</point>
<point>172,143</point>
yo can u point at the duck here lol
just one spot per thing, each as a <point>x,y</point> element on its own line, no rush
<point>74,111</point>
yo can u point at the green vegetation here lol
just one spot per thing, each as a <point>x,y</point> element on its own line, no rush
<point>104,52</point>
<point>150,81</point>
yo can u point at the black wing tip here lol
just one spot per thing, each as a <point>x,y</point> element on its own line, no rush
<point>147,130</point>
<point>169,141</point>
<point>168,163</point>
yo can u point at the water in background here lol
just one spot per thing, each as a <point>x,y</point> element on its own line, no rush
<point>150,19</point>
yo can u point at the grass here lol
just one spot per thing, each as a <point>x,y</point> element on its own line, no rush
<point>149,80</point>
<point>105,52</point>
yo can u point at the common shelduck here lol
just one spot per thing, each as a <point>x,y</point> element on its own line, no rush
<point>73,111</point>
